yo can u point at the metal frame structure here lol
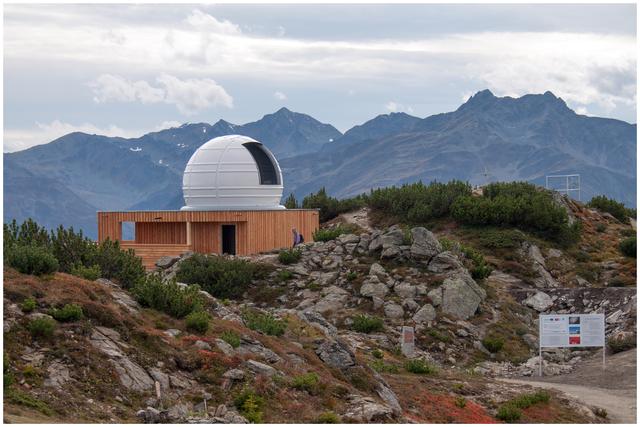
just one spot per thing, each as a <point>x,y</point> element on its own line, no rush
<point>568,188</point>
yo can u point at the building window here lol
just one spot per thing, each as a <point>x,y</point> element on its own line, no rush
<point>266,168</point>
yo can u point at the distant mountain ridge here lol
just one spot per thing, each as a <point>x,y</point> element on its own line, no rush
<point>486,139</point>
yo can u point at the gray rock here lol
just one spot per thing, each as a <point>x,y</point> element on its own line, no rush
<point>375,244</point>
<point>254,347</point>
<point>224,347</point>
<point>331,303</point>
<point>393,310</point>
<point>260,368</point>
<point>424,244</point>
<point>173,332</point>
<point>531,340</point>
<point>234,374</point>
<point>426,314</point>
<point>336,354</point>
<point>348,238</point>
<point>435,295</point>
<point>58,375</point>
<point>539,301</point>
<point>390,251</point>
<point>152,415</point>
<point>444,261</point>
<point>378,270</point>
<point>202,345</point>
<point>178,412</point>
<point>373,288</point>
<point>410,304</point>
<point>161,377</point>
<point>166,261</point>
<point>405,290</point>
<point>367,410</point>
<point>459,299</point>
<point>363,245</point>
<point>393,237</point>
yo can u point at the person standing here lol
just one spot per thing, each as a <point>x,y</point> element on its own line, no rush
<point>297,237</point>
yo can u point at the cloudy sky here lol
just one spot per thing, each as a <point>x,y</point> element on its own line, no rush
<point>126,70</point>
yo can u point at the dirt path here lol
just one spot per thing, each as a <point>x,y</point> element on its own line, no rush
<point>614,389</point>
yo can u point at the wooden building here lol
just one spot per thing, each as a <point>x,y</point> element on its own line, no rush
<point>232,186</point>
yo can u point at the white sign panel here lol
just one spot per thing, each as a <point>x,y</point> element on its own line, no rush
<point>408,341</point>
<point>572,330</point>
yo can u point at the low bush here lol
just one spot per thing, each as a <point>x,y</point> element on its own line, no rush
<point>622,342</point>
<point>19,397</point>
<point>328,418</point>
<point>419,366</point>
<point>250,405</point>
<point>617,209</point>
<point>628,247</point>
<point>231,338</point>
<point>380,366</point>
<point>198,321</point>
<point>509,413</point>
<point>377,354</point>
<point>32,260</point>
<point>41,327</point>
<point>461,402</point>
<point>331,207</point>
<point>352,275</point>
<point>501,239</point>
<point>440,336</point>
<point>493,344</point>
<point>168,297</point>
<point>122,266</point>
<point>284,275</point>
<point>289,256</point>
<point>68,313</point>
<point>88,273</point>
<point>601,228</point>
<point>28,305</point>
<point>480,269</point>
<point>221,277</point>
<point>367,324</point>
<point>264,322</point>
<point>326,234</point>
<point>307,382</point>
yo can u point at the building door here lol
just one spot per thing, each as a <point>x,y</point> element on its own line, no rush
<point>229,239</point>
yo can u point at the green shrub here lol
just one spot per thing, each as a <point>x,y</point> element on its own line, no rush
<point>493,344</point>
<point>328,418</point>
<point>168,297</point>
<point>461,402</point>
<point>326,234</point>
<point>525,400</point>
<point>122,266</point>
<point>419,366</point>
<point>19,397</point>
<point>7,376</point>
<point>440,336</point>
<point>501,238</point>
<point>352,275</point>
<point>509,413</point>
<point>72,249</point>
<point>628,247</point>
<point>622,343</point>
<point>284,275</point>
<point>28,305</point>
<point>382,367</point>
<point>307,382</point>
<point>231,338</point>
<point>517,204</point>
<point>221,277</point>
<point>32,260</point>
<point>480,269</point>
<point>418,203</point>
<point>601,228</point>
<point>377,354</point>
<point>331,207</point>
<point>250,405</point>
<point>198,321</point>
<point>289,256</point>
<point>88,273</point>
<point>264,322</point>
<point>617,209</point>
<point>41,327</point>
<point>291,202</point>
<point>367,324</point>
<point>68,313</point>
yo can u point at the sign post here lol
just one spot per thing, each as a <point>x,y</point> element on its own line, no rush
<point>571,330</point>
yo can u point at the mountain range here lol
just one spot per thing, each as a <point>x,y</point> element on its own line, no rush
<point>488,138</point>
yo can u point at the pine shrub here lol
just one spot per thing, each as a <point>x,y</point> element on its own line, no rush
<point>168,297</point>
<point>88,273</point>
<point>367,324</point>
<point>289,256</point>
<point>68,313</point>
<point>419,366</point>
<point>198,321</point>
<point>231,338</point>
<point>628,247</point>
<point>41,327</point>
<point>264,322</point>
<point>34,260</point>
<point>28,305</point>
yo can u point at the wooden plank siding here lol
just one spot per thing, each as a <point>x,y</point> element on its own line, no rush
<point>150,253</point>
<point>256,231</point>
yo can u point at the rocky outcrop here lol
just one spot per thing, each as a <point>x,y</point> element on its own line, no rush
<point>424,244</point>
<point>538,264</point>
<point>539,302</point>
<point>336,354</point>
<point>460,297</point>
<point>367,410</point>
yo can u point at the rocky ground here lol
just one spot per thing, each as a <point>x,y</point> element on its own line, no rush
<point>123,363</point>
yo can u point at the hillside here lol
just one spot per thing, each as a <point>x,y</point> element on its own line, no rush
<point>486,139</point>
<point>328,349</point>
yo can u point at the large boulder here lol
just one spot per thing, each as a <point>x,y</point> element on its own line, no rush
<point>459,299</point>
<point>393,237</point>
<point>539,301</point>
<point>443,262</point>
<point>426,314</point>
<point>334,299</point>
<point>373,287</point>
<point>336,354</point>
<point>405,290</point>
<point>393,310</point>
<point>435,295</point>
<point>261,368</point>
<point>424,244</point>
<point>367,410</point>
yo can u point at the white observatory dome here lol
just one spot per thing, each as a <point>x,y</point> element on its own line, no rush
<point>232,172</point>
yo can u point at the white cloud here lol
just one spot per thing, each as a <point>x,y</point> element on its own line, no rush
<point>279,96</point>
<point>395,107</point>
<point>188,95</point>
<point>281,31</point>
<point>43,133</point>
<point>206,22</point>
